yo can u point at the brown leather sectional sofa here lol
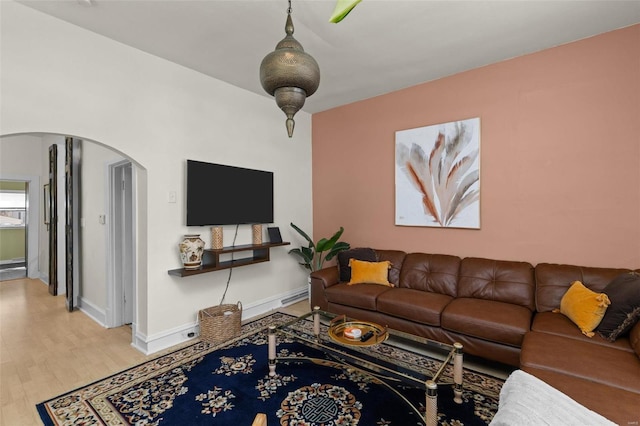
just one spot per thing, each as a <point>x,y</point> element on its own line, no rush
<point>501,311</point>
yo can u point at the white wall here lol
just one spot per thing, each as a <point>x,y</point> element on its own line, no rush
<point>58,78</point>
<point>43,244</point>
<point>21,155</point>
<point>93,204</point>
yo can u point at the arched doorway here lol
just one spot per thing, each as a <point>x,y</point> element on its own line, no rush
<point>95,260</point>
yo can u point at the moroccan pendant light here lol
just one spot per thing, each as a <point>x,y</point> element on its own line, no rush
<point>289,74</point>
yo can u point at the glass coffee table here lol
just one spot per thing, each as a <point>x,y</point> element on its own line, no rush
<point>343,341</point>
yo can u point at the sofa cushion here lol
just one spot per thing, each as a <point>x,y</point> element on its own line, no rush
<point>584,307</point>
<point>487,319</point>
<point>436,273</point>
<point>396,257</point>
<point>360,253</point>
<point>553,281</point>
<point>414,305</point>
<point>360,296</point>
<point>617,405</point>
<point>624,311</point>
<point>363,272</point>
<point>560,325</point>
<point>498,280</point>
<point>596,363</point>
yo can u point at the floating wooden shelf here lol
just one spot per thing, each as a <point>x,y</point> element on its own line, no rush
<point>211,258</point>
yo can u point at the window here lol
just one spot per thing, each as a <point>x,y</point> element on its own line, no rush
<point>13,208</point>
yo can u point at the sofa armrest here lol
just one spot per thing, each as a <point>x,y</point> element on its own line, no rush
<point>321,280</point>
<point>326,277</point>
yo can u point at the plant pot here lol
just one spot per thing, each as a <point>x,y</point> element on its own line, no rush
<point>191,250</point>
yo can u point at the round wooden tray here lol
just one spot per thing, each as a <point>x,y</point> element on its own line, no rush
<point>336,332</point>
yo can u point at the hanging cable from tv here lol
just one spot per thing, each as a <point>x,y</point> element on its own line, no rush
<point>231,268</point>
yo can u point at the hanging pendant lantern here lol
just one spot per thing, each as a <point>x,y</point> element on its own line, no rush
<point>289,74</point>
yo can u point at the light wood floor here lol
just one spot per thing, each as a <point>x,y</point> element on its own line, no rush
<point>45,350</point>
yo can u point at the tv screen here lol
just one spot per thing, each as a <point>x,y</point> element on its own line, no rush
<point>227,195</point>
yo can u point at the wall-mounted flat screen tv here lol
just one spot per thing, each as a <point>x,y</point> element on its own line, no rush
<point>225,195</point>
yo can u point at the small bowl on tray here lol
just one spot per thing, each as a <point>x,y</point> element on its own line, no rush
<point>356,333</point>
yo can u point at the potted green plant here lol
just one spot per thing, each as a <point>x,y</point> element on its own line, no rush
<point>315,254</point>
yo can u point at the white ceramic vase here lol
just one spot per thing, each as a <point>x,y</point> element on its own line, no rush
<point>191,249</point>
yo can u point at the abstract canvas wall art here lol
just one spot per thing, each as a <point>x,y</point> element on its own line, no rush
<point>438,175</point>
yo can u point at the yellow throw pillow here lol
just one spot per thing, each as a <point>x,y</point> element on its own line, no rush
<point>363,272</point>
<point>584,307</point>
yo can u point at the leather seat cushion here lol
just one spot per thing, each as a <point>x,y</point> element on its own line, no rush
<point>560,325</point>
<point>487,319</point>
<point>596,363</point>
<point>419,306</point>
<point>359,295</point>
<point>617,405</point>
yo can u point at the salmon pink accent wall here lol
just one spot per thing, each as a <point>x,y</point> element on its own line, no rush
<point>560,158</point>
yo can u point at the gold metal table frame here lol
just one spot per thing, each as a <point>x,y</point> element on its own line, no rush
<point>455,355</point>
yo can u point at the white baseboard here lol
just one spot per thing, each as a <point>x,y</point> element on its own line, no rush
<point>163,340</point>
<point>92,311</point>
<point>271,304</point>
<point>178,335</point>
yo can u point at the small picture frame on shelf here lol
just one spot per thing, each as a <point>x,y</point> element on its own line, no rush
<point>274,234</point>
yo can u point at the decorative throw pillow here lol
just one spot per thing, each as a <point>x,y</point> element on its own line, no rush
<point>344,269</point>
<point>624,312</point>
<point>584,307</point>
<point>363,272</point>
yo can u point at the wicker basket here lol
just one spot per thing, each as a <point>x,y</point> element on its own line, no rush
<point>220,323</point>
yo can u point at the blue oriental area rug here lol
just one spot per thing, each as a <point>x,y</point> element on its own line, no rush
<point>228,385</point>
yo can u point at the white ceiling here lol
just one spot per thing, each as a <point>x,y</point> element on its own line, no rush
<point>380,47</point>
